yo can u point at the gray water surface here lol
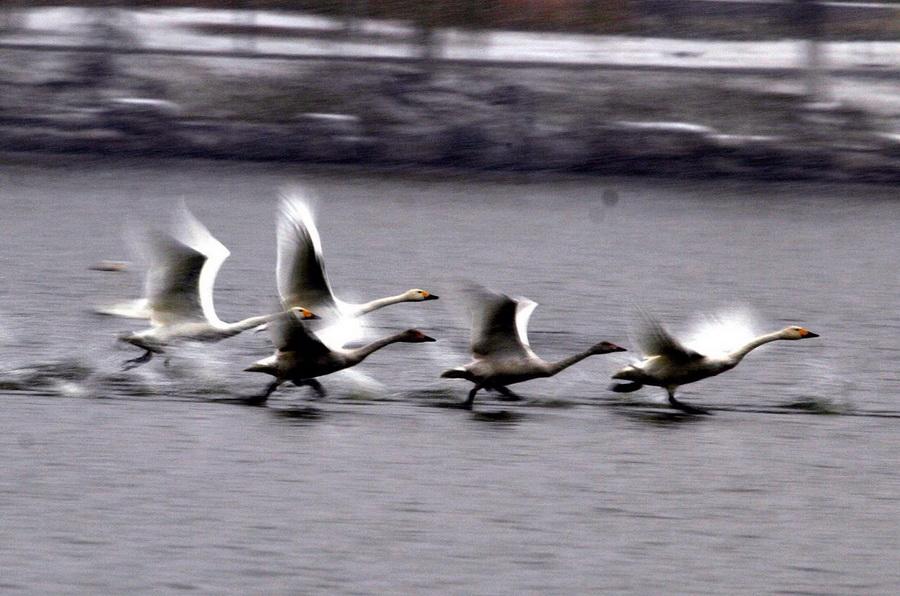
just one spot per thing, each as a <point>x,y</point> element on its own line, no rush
<point>156,480</point>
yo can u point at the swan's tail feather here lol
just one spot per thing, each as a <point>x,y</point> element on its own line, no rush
<point>454,373</point>
<point>262,367</point>
<point>625,387</point>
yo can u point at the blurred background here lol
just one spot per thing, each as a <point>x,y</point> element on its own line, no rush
<point>783,88</point>
<point>722,164</point>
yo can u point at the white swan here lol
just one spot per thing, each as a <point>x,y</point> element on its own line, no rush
<point>179,290</point>
<point>300,356</point>
<point>301,277</point>
<point>668,363</point>
<point>500,346</point>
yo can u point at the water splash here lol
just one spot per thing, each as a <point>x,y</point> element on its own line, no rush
<point>360,386</point>
<point>65,374</point>
<point>827,388</point>
<point>820,405</point>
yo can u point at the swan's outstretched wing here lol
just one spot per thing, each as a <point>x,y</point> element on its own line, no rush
<point>655,340</point>
<point>129,309</point>
<point>290,334</point>
<point>499,323</point>
<point>138,308</point>
<point>195,235</point>
<point>182,272</point>
<point>300,268</point>
<point>173,281</point>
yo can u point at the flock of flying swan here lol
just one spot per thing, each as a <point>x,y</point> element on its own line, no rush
<point>309,335</point>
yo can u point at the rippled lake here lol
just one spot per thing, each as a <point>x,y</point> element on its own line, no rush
<point>157,480</point>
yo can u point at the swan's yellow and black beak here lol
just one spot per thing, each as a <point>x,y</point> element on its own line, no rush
<point>806,333</point>
<point>429,296</point>
<point>305,314</point>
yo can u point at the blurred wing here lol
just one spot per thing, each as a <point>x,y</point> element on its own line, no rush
<point>300,268</point>
<point>524,308</point>
<point>138,308</point>
<point>290,334</point>
<point>131,309</point>
<point>173,281</point>
<point>499,323</point>
<point>655,340</point>
<point>195,235</point>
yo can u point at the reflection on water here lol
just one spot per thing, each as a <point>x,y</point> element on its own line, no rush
<point>662,418</point>
<point>151,480</point>
<point>499,417</point>
<point>299,414</point>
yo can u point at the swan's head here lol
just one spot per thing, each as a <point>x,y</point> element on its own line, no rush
<point>414,336</point>
<point>605,347</point>
<point>417,295</point>
<point>795,332</point>
<point>303,314</point>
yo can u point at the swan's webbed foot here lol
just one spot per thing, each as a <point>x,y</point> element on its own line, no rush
<point>467,405</point>
<point>689,409</point>
<point>262,398</point>
<point>317,387</point>
<point>135,362</point>
<point>507,394</point>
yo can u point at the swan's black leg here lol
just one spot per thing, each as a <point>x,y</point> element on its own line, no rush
<point>258,400</point>
<point>135,362</point>
<point>471,399</point>
<point>317,387</point>
<point>507,394</point>
<point>680,405</point>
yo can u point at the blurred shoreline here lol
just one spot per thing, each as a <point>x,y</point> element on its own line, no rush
<point>597,104</point>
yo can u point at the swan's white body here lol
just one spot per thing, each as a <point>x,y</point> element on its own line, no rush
<point>301,356</point>
<point>669,364</point>
<point>301,277</point>
<point>499,344</point>
<point>183,269</point>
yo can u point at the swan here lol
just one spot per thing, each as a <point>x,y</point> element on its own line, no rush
<point>179,289</point>
<point>668,363</point>
<point>301,356</point>
<point>301,277</point>
<point>502,354</point>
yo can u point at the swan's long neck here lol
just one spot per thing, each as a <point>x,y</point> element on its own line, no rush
<point>229,329</point>
<point>751,345</point>
<point>361,309</point>
<point>359,354</point>
<point>561,365</point>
